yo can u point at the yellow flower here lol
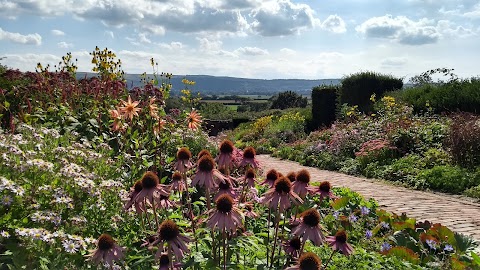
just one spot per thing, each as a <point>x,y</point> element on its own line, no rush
<point>129,108</point>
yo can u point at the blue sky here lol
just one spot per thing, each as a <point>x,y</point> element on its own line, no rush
<point>248,38</point>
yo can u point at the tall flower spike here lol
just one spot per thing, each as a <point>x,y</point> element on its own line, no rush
<point>309,227</point>
<point>107,251</point>
<point>281,195</point>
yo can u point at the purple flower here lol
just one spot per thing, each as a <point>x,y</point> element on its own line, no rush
<point>352,218</point>
<point>385,247</point>
<point>364,210</point>
<point>448,248</point>
<point>368,234</point>
<point>385,225</point>
<point>336,214</point>
<point>431,244</point>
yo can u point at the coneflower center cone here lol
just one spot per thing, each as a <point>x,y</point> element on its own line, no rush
<point>303,176</point>
<point>138,186</point>
<point>224,203</point>
<point>105,242</point>
<point>311,217</point>
<point>226,147</point>
<point>149,180</point>
<point>283,185</point>
<point>184,154</point>
<point>292,176</point>
<point>224,185</point>
<point>309,261</point>
<point>177,176</point>
<point>325,186</point>
<point>295,243</point>
<point>202,153</point>
<point>206,164</point>
<point>272,175</point>
<point>168,230</point>
<point>249,153</point>
<point>250,173</point>
<point>164,260</point>
<point>341,237</point>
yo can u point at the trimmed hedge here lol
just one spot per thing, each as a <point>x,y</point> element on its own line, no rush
<point>357,88</point>
<point>324,104</point>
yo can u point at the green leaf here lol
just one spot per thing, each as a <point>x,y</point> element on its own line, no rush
<point>404,254</point>
<point>340,203</point>
<point>476,258</point>
<point>7,104</point>
<point>401,225</point>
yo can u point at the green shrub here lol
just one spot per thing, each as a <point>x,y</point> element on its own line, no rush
<point>288,99</point>
<point>450,179</point>
<point>405,170</point>
<point>458,95</point>
<point>324,101</point>
<point>357,88</point>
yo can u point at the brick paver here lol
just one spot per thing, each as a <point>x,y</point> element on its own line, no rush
<point>458,214</point>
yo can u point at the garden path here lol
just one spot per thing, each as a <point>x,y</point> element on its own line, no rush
<point>459,215</point>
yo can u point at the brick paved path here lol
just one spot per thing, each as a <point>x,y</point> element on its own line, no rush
<point>458,214</point>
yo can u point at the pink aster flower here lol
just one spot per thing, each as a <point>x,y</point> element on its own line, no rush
<point>225,216</point>
<point>339,242</point>
<point>270,178</point>
<point>139,205</point>
<point>169,234</point>
<point>308,261</point>
<point>249,158</point>
<point>225,158</point>
<point>107,251</point>
<point>309,227</point>
<point>281,195</point>
<point>324,190</point>
<point>183,163</point>
<point>151,188</point>
<point>301,184</point>
<point>207,176</point>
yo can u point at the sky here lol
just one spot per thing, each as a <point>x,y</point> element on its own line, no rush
<point>265,39</point>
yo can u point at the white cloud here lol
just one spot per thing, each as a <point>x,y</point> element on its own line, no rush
<point>394,61</point>
<point>174,45</point>
<point>283,18</point>
<point>110,34</point>
<point>142,37</point>
<point>287,51</point>
<point>474,13</point>
<point>335,24</point>
<point>251,51</point>
<point>57,32</point>
<point>64,45</point>
<point>207,45</point>
<point>401,29</point>
<point>34,39</point>
<point>448,28</point>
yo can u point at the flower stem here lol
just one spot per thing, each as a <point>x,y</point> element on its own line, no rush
<point>329,259</point>
<point>155,214</point>
<point>224,237</point>
<point>277,221</point>
<point>268,230</point>
<point>190,210</point>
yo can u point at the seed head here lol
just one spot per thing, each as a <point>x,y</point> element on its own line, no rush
<point>184,154</point>
<point>150,180</point>
<point>282,185</point>
<point>105,242</point>
<point>224,185</point>
<point>341,237</point>
<point>250,173</point>
<point>177,176</point>
<point>203,153</point>
<point>311,217</point>
<point>226,147</point>
<point>303,176</point>
<point>272,175</point>
<point>206,163</point>
<point>224,203</point>
<point>292,176</point>
<point>295,243</point>
<point>325,186</point>
<point>249,153</point>
<point>168,230</point>
<point>309,261</point>
<point>138,186</point>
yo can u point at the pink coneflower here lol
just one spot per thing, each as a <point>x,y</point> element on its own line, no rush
<point>309,227</point>
<point>308,261</point>
<point>169,233</point>
<point>183,163</point>
<point>177,182</point>
<point>280,195</point>
<point>339,242</point>
<point>107,251</point>
<point>164,202</point>
<point>250,178</point>
<point>270,178</point>
<point>139,205</point>
<point>292,176</point>
<point>249,158</point>
<point>301,184</point>
<point>292,247</point>
<point>324,190</point>
<point>164,261</point>
<point>249,211</point>
<point>225,158</point>
<point>151,188</point>
<point>202,153</point>
<point>225,216</point>
<point>207,176</point>
<point>226,188</point>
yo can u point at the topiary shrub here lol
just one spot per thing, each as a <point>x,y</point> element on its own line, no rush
<point>357,88</point>
<point>324,105</point>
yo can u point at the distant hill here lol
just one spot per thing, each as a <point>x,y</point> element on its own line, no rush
<point>213,85</point>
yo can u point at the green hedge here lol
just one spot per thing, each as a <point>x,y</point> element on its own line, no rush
<point>324,104</point>
<point>357,88</point>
